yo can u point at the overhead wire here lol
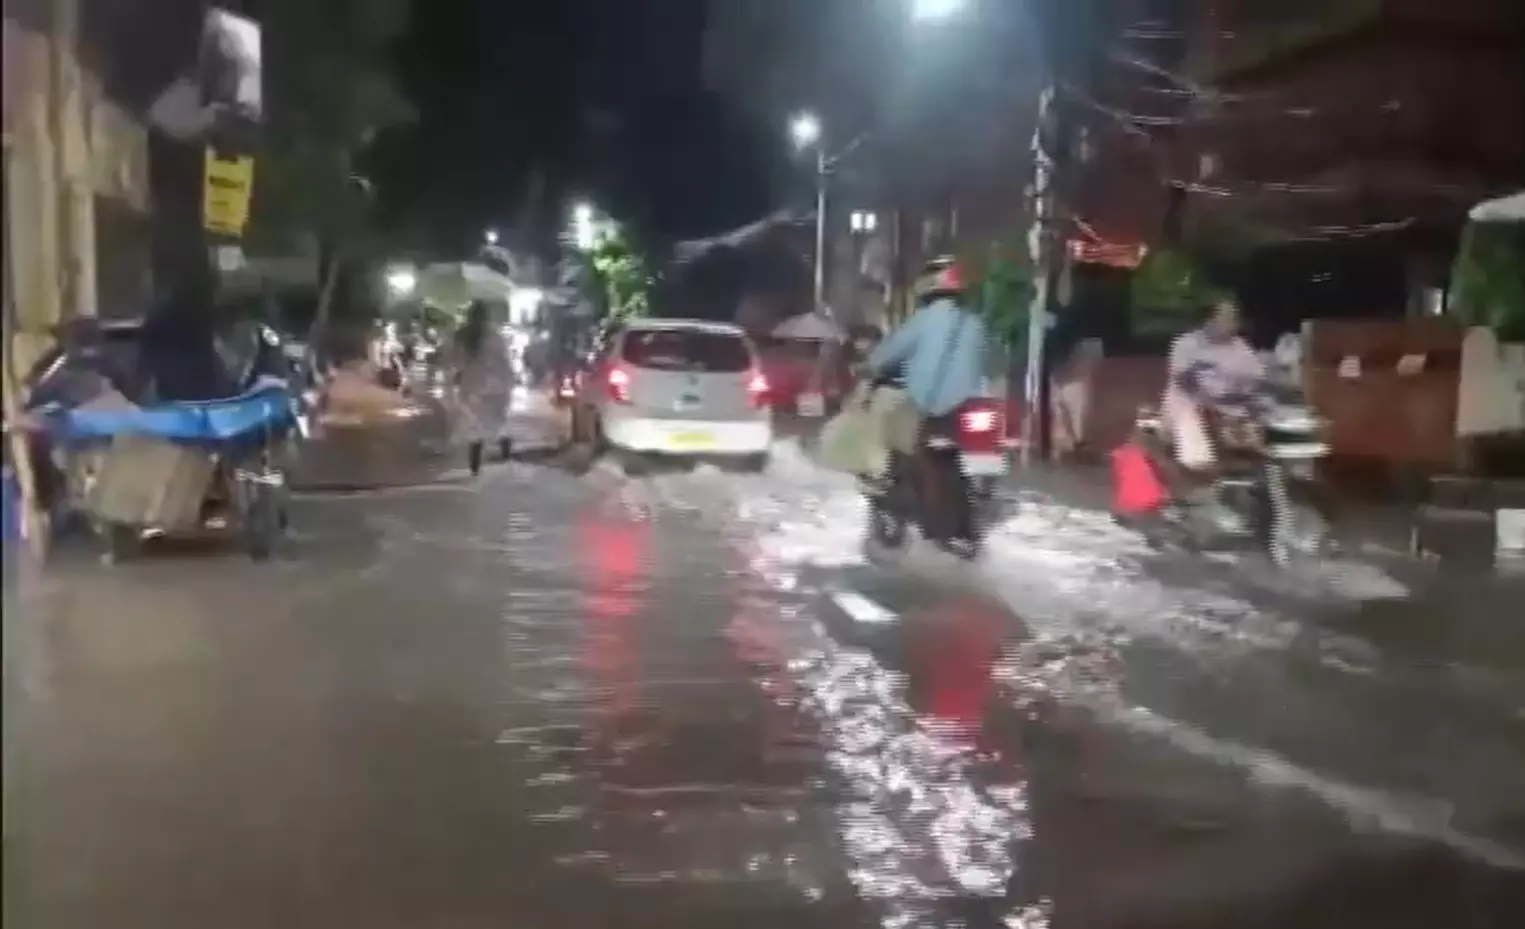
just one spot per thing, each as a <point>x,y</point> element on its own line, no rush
<point>1146,127</point>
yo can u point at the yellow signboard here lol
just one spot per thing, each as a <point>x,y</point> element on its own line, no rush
<point>226,192</point>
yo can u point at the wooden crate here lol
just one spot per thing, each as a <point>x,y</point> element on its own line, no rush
<point>149,482</point>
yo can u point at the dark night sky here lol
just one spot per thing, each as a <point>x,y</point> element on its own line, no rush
<point>603,98</point>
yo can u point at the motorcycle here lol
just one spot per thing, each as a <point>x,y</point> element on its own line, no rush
<point>942,502</point>
<point>1265,444</point>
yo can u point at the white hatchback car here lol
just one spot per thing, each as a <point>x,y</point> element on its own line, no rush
<point>681,388</point>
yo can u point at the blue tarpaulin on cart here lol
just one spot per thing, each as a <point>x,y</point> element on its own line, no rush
<point>267,404</point>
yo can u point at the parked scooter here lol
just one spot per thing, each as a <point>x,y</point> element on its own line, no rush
<point>1265,443</point>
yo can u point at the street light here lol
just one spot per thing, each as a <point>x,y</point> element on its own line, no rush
<point>805,130</point>
<point>401,282</point>
<point>491,236</point>
<point>936,9</point>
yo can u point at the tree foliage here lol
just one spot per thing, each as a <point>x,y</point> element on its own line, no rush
<point>1006,291</point>
<point>329,90</point>
<point>623,275</point>
<point>1488,284</point>
<point>1168,290</point>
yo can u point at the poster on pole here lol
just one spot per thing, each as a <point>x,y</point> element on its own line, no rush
<point>226,190</point>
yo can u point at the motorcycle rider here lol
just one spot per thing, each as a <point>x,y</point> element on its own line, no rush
<point>1208,366</point>
<point>937,358</point>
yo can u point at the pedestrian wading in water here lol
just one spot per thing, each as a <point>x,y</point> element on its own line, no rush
<point>483,375</point>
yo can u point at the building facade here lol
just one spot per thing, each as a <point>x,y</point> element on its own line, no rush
<point>77,187</point>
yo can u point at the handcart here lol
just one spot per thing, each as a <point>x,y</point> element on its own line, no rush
<point>185,467</point>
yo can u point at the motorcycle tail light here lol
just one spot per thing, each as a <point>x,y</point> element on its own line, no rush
<point>979,422</point>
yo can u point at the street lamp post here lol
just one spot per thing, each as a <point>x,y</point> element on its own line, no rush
<point>1052,148</point>
<point>806,132</point>
<point>819,282</point>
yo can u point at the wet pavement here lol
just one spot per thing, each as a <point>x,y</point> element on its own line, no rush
<point>543,700</point>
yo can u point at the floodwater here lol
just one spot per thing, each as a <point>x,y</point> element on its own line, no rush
<point>543,700</point>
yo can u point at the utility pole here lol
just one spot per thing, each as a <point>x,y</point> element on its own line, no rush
<point>1068,61</point>
<point>897,303</point>
<point>1046,240</point>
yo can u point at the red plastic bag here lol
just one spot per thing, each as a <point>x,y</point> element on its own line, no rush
<point>1136,488</point>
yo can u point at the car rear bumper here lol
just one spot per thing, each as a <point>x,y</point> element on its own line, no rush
<point>688,437</point>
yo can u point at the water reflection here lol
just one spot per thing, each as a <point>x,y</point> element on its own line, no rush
<point>699,771</point>
<point>934,813</point>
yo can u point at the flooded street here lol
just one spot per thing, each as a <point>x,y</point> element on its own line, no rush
<point>690,700</point>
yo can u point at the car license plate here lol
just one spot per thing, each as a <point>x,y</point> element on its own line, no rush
<point>692,441</point>
<point>811,405</point>
<point>981,465</point>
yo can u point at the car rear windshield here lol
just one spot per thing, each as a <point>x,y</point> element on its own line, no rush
<point>797,349</point>
<point>687,350</point>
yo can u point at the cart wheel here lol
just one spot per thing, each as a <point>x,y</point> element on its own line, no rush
<point>262,519</point>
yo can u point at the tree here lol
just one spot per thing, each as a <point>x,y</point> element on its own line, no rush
<point>1488,285</point>
<point>1006,292</point>
<point>1168,291</point>
<point>623,275</point>
<point>328,91</point>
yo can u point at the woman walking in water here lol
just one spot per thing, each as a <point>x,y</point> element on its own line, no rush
<point>484,383</point>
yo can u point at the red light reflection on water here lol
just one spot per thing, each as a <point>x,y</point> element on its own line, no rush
<point>952,649</point>
<point>614,552</point>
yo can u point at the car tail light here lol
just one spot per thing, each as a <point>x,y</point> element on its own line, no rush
<point>618,382</point>
<point>757,389</point>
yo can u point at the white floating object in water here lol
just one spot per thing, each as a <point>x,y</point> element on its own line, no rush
<point>1510,530</point>
<point>861,609</point>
